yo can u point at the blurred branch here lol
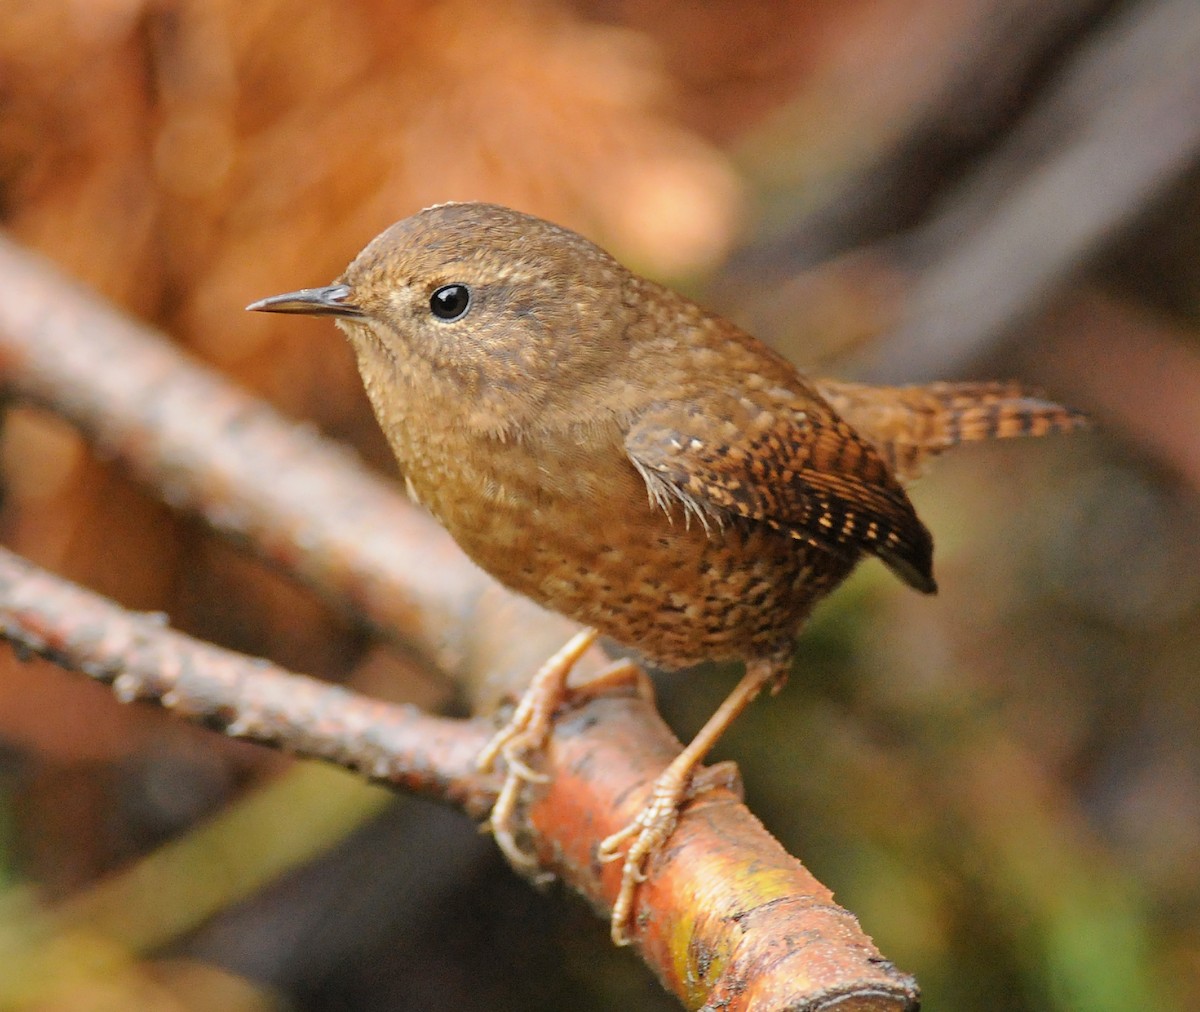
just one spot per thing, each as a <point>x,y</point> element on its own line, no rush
<point>296,499</point>
<point>1104,136</point>
<point>995,72</point>
<point>310,809</point>
<point>726,916</point>
<point>1110,134</point>
<point>299,928</point>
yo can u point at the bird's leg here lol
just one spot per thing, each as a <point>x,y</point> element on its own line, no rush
<point>656,821</point>
<point>529,727</point>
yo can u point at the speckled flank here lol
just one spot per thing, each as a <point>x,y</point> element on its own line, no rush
<point>594,546</point>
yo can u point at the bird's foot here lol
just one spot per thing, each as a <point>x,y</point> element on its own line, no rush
<point>525,735</point>
<point>652,828</point>
<point>683,779</point>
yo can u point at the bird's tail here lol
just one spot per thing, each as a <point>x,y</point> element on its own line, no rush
<point>909,425</point>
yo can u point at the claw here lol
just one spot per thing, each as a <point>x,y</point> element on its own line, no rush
<point>512,759</point>
<point>651,828</point>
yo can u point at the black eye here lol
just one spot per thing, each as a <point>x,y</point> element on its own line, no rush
<point>450,302</point>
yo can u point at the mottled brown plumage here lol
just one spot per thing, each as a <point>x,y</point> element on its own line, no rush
<point>606,447</point>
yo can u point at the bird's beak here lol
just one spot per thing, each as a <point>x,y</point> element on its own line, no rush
<point>328,301</point>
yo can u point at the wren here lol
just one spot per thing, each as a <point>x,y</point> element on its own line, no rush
<point>603,445</point>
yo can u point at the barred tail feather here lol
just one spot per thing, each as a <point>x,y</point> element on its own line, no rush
<point>976,411</point>
<point>909,425</point>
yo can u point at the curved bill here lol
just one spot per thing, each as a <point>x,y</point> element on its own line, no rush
<point>327,301</point>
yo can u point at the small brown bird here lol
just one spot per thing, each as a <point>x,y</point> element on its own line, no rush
<point>610,449</point>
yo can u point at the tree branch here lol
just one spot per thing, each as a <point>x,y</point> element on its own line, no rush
<point>240,696</point>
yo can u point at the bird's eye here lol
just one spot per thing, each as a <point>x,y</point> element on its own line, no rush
<point>450,302</point>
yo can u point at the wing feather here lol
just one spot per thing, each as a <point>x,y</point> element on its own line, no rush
<point>796,467</point>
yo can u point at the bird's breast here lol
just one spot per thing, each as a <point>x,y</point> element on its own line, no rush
<point>570,524</point>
